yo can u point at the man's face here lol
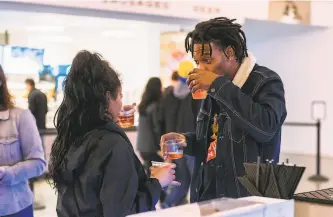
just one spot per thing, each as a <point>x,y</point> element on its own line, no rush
<point>217,62</point>
<point>28,87</point>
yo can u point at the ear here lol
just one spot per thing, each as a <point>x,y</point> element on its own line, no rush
<point>108,96</point>
<point>230,53</point>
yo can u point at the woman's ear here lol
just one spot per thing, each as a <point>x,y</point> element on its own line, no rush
<point>108,96</point>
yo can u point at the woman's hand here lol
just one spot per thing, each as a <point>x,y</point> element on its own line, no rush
<point>129,109</point>
<point>159,153</point>
<point>165,175</point>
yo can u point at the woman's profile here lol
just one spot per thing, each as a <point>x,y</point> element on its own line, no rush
<point>93,165</point>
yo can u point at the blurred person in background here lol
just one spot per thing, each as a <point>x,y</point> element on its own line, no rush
<point>241,117</point>
<point>150,123</point>
<point>179,113</point>
<point>93,165</point>
<point>174,81</point>
<point>37,101</point>
<point>21,156</point>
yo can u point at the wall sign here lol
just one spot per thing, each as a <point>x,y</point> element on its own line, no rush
<point>149,4</point>
<point>292,12</point>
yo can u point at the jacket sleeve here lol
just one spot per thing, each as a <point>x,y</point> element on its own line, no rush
<point>260,118</point>
<point>32,103</point>
<point>121,193</point>
<point>157,124</point>
<point>191,141</point>
<point>162,116</point>
<point>33,163</point>
<point>196,105</point>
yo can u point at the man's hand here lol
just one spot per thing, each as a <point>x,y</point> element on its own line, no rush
<point>171,136</point>
<point>200,79</point>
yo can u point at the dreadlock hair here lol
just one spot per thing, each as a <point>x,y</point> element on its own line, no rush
<point>221,31</point>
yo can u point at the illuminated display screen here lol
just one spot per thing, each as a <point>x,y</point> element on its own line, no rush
<point>22,60</point>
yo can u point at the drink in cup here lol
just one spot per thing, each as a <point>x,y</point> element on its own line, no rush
<point>126,119</point>
<point>174,148</point>
<point>159,164</point>
<point>199,94</point>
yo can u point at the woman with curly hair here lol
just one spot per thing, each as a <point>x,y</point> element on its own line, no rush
<point>93,165</point>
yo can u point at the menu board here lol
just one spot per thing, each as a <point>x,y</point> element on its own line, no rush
<point>22,60</point>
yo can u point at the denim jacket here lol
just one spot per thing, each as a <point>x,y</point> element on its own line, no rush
<point>250,118</point>
<point>21,157</point>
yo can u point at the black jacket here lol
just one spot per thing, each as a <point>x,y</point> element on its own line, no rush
<point>149,129</point>
<point>179,110</point>
<point>105,178</point>
<point>249,122</point>
<point>38,106</point>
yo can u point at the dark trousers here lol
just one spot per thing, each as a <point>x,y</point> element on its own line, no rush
<point>178,195</point>
<point>27,212</point>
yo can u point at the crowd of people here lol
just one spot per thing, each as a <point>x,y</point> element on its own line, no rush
<point>93,165</point>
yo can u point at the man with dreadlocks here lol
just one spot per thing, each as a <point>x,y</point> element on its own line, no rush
<point>241,117</point>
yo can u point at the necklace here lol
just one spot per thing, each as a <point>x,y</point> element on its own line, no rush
<point>215,128</point>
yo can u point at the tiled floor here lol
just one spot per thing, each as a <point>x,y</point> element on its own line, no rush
<point>47,195</point>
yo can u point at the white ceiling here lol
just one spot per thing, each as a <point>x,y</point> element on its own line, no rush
<point>65,26</point>
<point>46,22</point>
<point>258,31</point>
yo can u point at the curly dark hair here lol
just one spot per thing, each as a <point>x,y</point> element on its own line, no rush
<point>83,107</point>
<point>6,100</point>
<point>223,32</point>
